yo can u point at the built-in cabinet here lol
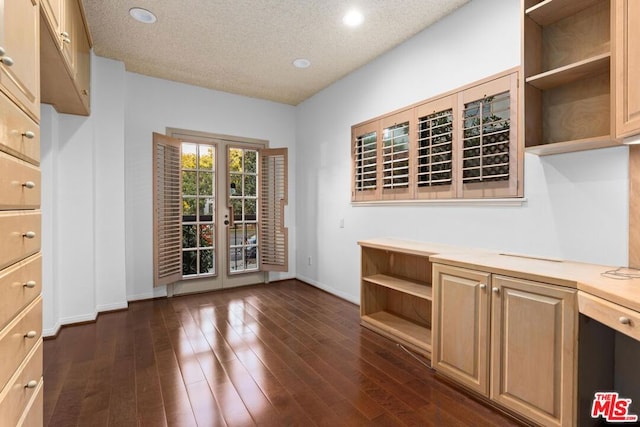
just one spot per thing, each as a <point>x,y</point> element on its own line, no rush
<point>19,60</point>
<point>511,340</point>
<point>627,66</point>
<point>65,57</point>
<point>396,294</point>
<point>21,380</point>
<point>579,63</point>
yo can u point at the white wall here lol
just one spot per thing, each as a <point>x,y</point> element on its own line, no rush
<point>576,204</point>
<point>83,204</point>
<point>97,249</point>
<point>152,105</point>
<point>97,242</point>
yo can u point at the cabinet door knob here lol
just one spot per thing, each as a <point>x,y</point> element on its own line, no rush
<point>29,134</point>
<point>31,334</point>
<point>483,286</point>
<point>6,60</point>
<point>29,234</point>
<point>65,37</point>
<point>624,320</point>
<point>31,384</point>
<point>30,284</point>
<point>29,184</point>
<point>1,51</point>
<point>496,290</point>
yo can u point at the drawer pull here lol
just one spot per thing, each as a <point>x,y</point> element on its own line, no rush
<point>29,134</point>
<point>65,37</point>
<point>29,234</point>
<point>6,60</point>
<point>30,284</point>
<point>29,184</point>
<point>31,334</point>
<point>483,286</point>
<point>624,320</point>
<point>31,384</point>
<point>1,51</point>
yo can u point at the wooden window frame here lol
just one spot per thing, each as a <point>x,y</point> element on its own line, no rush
<point>512,187</point>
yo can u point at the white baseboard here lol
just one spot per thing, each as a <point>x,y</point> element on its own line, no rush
<point>147,295</point>
<point>112,306</point>
<point>329,289</point>
<point>51,332</point>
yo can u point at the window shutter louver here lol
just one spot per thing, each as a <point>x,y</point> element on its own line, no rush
<point>274,236</point>
<point>167,228</point>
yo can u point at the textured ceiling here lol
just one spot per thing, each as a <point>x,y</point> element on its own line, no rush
<point>247,47</point>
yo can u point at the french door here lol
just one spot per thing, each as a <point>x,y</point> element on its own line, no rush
<point>219,202</point>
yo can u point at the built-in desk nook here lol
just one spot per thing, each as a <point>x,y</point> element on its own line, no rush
<point>536,337</point>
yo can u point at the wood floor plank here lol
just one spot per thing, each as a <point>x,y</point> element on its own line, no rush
<point>270,355</point>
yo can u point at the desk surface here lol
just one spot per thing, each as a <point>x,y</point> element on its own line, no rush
<point>585,277</point>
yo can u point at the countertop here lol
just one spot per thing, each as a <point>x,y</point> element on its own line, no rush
<point>581,276</point>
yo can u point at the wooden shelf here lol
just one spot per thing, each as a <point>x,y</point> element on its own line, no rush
<point>411,287</point>
<point>570,73</point>
<point>398,327</point>
<point>572,146</point>
<point>549,11</point>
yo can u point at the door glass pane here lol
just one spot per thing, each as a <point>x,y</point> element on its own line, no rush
<point>189,236</point>
<point>205,183</point>
<point>189,209</point>
<point>205,208</point>
<point>250,185</point>
<point>198,209</point>
<point>189,185</point>
<point>243,195</point>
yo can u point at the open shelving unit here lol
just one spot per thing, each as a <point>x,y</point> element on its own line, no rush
<point>396,295</point>
<point>567,62</point>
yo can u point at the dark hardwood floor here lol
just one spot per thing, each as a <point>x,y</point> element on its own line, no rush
<point>284,354</point>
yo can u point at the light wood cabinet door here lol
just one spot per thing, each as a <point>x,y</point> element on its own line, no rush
<point>19,54</point>
<point>52,10</point>
<point>534,350</point>
<point>627,67</point>
<point>83,60</point>
<point>461,326</point>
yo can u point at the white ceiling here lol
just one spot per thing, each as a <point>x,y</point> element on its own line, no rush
<point>247,47</point>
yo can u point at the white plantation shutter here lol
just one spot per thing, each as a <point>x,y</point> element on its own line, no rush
<point>274,236</point>
<point>167,255</point>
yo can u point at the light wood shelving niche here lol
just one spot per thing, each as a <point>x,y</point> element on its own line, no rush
<point>567,60</point>
<point>396,295</point>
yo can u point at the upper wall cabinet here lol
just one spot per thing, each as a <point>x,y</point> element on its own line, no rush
<point>19,57</point>
<point>65,57</point>
<point>579,59</point>
<point>627,66</point>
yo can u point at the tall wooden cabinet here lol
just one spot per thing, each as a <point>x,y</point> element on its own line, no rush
<point>511,340</point>
<point>20,261</point>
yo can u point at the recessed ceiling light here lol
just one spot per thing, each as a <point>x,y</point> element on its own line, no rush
<point>142,15</point>
<point>301,63</point>
<point>353,18</point>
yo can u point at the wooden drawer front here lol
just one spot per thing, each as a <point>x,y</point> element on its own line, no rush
<point>33,415</point>
<point>14,129</point>
<point>613,315</point>
<point>19,285</point>
<point>14,342</point>
<point>18,393</point>
<point>19,184</point>
<point>15,227</point>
